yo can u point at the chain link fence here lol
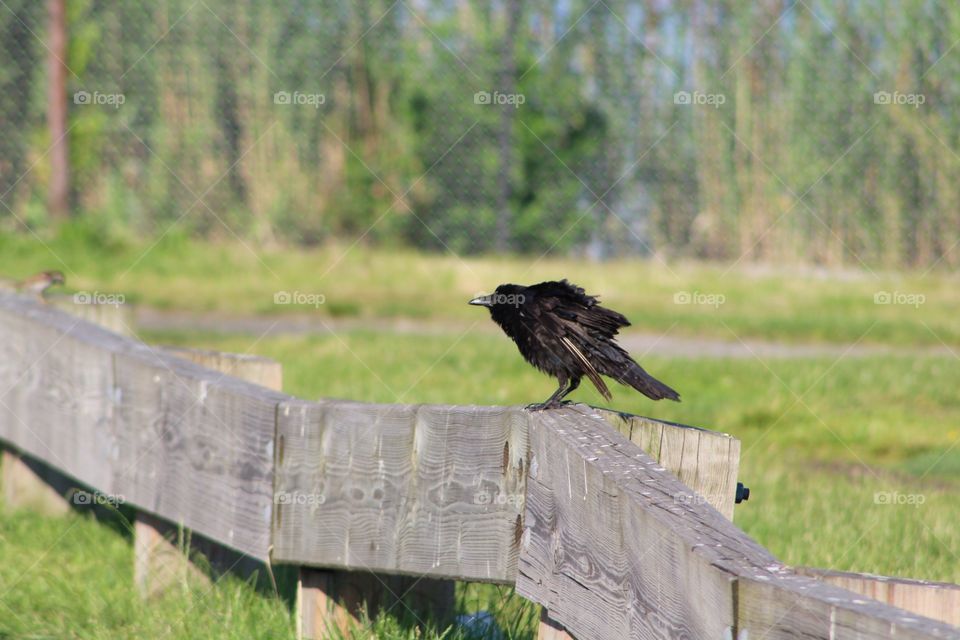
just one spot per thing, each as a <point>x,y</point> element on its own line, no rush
<point>810,131</point>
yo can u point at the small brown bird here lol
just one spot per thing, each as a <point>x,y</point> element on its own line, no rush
<point>39,283</point>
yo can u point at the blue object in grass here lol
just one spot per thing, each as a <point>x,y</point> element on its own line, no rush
<point>480,626</point>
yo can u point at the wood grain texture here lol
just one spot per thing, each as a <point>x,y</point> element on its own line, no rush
<point>191,445</point>
<point>705,461</point>
<point>160,559</point>
<point>937,600</point>
<point>615,547</point>
<point>420,490</point>
<point>789,606</point>
<point>601,547</point>
<point>56,390</point>
<point>197,447</point>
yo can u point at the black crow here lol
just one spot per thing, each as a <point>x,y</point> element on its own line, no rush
<point>565,333</point>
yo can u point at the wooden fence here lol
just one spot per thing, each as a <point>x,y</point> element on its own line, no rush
<point>620,526</point>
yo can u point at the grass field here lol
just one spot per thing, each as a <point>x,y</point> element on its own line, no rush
<point>831,445</point>
<point>790,304</point>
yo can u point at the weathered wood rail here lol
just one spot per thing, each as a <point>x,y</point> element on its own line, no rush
<point>613,542</point>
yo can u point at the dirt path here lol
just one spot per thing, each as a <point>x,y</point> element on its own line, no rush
<point>637,342</point>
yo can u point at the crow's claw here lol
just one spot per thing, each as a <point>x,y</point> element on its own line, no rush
<point>541,406</point>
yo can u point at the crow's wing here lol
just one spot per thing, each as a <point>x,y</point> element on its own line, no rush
<point>587,367</point>
<point>576,323</point>
<point>572,303</point>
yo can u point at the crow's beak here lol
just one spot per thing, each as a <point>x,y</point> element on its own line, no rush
<point>482,301</point>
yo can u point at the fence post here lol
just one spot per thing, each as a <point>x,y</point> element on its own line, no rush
<point>256,369</point>
<point>117,317</point>
<point>30,483</point>
<point>160,560</point>
<point>330,603</point>
<point>705,461</point>
<point>936,600</point>
<point>550,629</point>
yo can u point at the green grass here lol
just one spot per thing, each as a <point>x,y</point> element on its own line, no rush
<point>825,440</point>
<point>791,304</point>
<point>72,577</point>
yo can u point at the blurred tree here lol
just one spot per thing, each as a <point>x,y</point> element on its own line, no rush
<point>58,194</point>
<point>383,137</point>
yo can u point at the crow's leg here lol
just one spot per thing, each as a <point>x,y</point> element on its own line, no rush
<point>574,383</point>
<point>554,401</point>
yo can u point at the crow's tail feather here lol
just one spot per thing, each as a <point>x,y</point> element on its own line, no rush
<point>649,386</point>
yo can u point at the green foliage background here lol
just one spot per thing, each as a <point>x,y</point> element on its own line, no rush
<point>798,163</point>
